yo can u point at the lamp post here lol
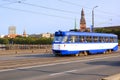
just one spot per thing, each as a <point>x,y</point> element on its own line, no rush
<point>92,28</point>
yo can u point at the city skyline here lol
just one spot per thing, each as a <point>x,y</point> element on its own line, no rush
<point>51,15</point>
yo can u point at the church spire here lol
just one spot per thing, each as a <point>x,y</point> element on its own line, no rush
<point>82,12</point>
<point>82,21</point>
<point>24,33</point>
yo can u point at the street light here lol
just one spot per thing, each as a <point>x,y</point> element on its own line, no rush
<point>92,28</point>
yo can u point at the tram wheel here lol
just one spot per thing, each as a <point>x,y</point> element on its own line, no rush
<point>76,54</point>
<point>85,53</point>
<point>106,52</point>
<point>81,54</point>
<point>110,51</point>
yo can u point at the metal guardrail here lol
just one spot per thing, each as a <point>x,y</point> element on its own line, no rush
<point>24,47</point>
<point>2,47</point>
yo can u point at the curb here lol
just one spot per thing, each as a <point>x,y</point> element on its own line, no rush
<point>112,77</point>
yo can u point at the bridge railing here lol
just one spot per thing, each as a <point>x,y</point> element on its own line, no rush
<point>21,47</point>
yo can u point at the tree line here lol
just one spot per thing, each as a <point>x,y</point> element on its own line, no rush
<point>114,31</point>
<point>26,40</point>
<point>109,30</point>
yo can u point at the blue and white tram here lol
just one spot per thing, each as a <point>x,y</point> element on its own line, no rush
<point>77,43</point>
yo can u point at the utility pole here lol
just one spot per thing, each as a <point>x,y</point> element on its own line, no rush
<point>92,28</point>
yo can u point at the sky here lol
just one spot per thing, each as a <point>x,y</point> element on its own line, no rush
<point>42,16</point>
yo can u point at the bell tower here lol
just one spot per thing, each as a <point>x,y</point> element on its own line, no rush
<point>82,22</point>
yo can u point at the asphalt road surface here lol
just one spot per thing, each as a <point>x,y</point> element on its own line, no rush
<point>83,69</point>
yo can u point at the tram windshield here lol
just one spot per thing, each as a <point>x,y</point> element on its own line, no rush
<point>60,38</point>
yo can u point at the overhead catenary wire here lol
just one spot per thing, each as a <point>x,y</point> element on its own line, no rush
<point>60,10</point>
<point>39,13</point>
<point>55,9</point>
<point>34,12</point>
<point>75,4</point>
<point>71,3</point>
<point>7,3</point>
<point>67,11</point>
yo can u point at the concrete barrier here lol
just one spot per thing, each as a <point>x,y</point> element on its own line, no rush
<point>113,77</point>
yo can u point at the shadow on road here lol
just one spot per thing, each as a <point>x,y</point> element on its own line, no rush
<point>38,70</point>
<point>37,56</point>
<point>44,55</point>
<point>108,63</point>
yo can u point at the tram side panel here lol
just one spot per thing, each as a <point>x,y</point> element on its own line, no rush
<point>92,48</point>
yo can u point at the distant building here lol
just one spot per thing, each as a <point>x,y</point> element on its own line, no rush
<point>24,34</point>
<point>12,32</point>
<point>46,35</point>
<point>82,22</point>
<point>2,36</point>
<point>11,35</point>
<point>35,35</point>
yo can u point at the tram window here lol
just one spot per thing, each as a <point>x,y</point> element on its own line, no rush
<point>77,39</point>
<point>65,39</point>
<point>82,38</point>
<point>69,39</point>
<point>101,39</point>
<point>111,39</point>
<point>106,39</point>
<point>95,39</point>
<point>85,40</point>
<point>73,39</point>
<point>114,39</point>
<point>89,39</point>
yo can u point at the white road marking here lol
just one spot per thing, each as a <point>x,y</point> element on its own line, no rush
<point>62,72</point>
<point>78,70</point>
<point>6,70</point>
<point>52,64</point>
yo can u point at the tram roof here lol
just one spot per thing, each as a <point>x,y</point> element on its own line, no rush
<point>85,33</point>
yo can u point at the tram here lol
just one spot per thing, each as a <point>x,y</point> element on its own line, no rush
<point>77,43</point>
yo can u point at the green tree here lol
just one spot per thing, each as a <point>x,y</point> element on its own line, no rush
<point>4,41</point>
<point>30,40</point>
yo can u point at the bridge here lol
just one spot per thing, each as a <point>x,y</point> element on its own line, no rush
<point>48,67</point>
